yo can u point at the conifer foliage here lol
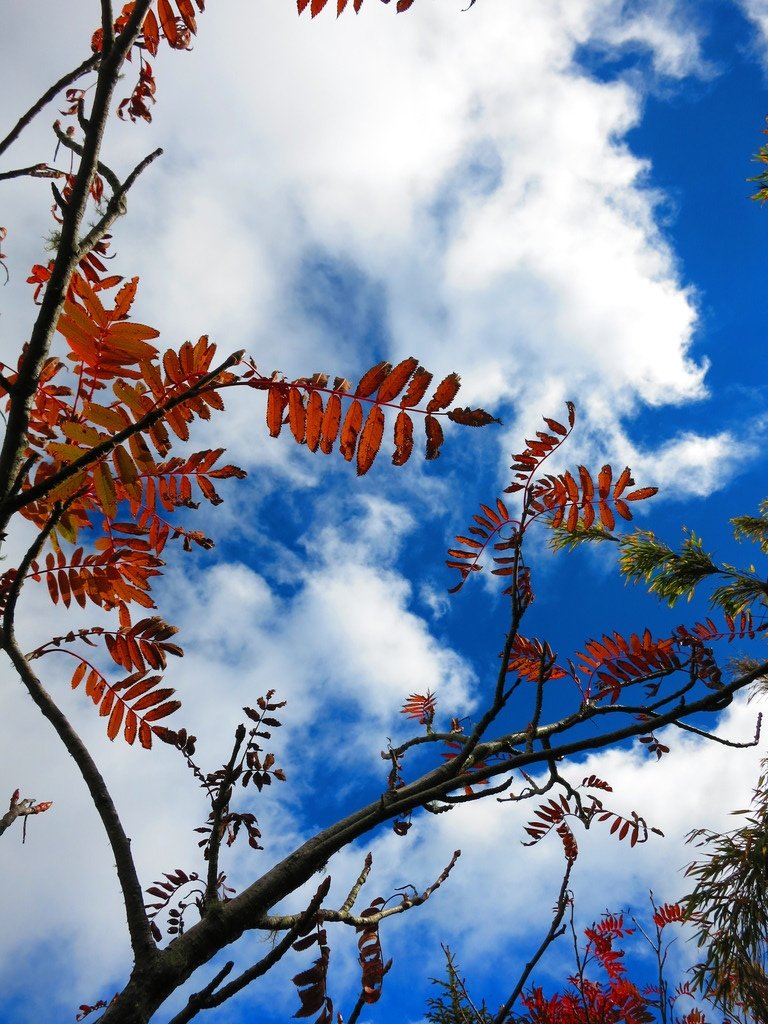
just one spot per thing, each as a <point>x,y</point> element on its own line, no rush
<point>95,463</point>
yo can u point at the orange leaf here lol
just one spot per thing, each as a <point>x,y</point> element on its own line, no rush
<point>187,12</point>
<point>604,482</point>
<point>77,675</point>
<point>115,719</point>
<point>92,302</point>
<point>641,493</point>
<point>297,414</point>
<point>113,420</point>
<point>370,440</point>
<point>434,437</point>
<point>105,490</point>
<point>130,728</point>
<point>162,711</point>
<point>403,438</point>
<point>124,299</point>
<point>277,399</point>
<point>331,422</point>
<point>372,379</point>
<point>396,380</point>
<point>126,471</point>
<point>623,509</point>
<point>558,428</point>
<point>353,421</point>
<point>606,516</point>
<point>446,391</point>
<point>417,388</point>
<point>623,482</point>
<point>314,420</point>
<point>168,21</point>
<point>151,33</point>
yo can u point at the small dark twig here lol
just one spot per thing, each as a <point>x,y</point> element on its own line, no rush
<point>555,931</point>
<point>48,95</point>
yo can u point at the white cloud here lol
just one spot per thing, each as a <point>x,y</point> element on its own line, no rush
<point>757,12</point>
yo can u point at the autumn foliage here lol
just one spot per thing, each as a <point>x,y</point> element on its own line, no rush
<point>97,463</point>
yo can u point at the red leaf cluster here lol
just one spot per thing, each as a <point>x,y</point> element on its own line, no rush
<point>421,707</point>
<point>319,422</point>
<point>616,661</point>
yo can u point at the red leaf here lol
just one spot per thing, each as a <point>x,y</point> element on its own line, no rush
<point>314,420</point>
<point>403,438</point>
<point>276,402</point>
<point>297,414</point>
<point>417,388</point>
<point>168,21</point>
<point>373,379</point>
<point>434,437</point>
<point>353,421</point>
<point>331,422</point>
<point>396,380</point>
<point>641,493</point>
<point>604,482</point>
<point>370,440</point>
<point>446,391</point>
<point>472,417</point>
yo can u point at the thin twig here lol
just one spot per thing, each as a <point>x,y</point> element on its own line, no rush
<point>71,76</point>
<point>220,805</point>
<point>555,931</point>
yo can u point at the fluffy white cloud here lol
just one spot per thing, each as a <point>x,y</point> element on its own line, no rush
<point>757,12</point>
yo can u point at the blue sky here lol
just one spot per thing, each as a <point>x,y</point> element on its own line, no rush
<point>548,198</point>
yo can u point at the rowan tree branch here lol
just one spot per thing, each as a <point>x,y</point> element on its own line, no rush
<point>34,171</point>
<point>143,945</point>
<point>208,998</point>
<point>278,922</point>
<point>96,453</point>
<point>117,204</point>
<point>66,259</point>
<point>71,76</point>
<point>21,809</point>
<point>556,929</point>
<point>220,805</point>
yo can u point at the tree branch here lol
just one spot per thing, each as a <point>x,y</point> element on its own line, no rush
<point>555,931</point>
<point>206,999</point>
<point>220,804</point>
<point>138,926</point>
<point>21,809</point>
<point>100,450</point>
<point>66,259</point>
<point>71,76</point>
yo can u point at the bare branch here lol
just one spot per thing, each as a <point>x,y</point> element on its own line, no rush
<point>72,76</point>
<point>343,915</point>
<point>35,171</point>
<point>556,929</point>
<point>354,892</point>
<point>21,809</point>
